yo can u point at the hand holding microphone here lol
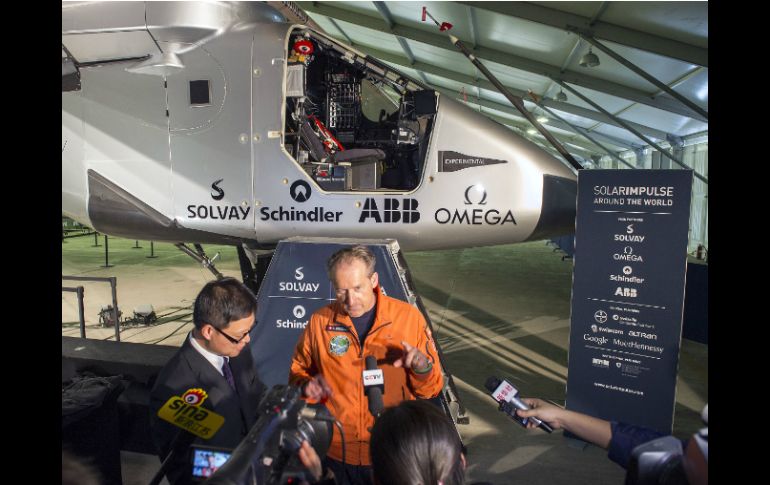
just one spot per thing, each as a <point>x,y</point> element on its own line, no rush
<point>543,410</point>
<point>508,396</point>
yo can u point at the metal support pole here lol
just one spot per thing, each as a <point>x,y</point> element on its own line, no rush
<point>137,246</point>
<point>631,129</point>
<point>114,285</point>
<point>516,101</point>
<point>113,281</point>
<point>81,312</point>
<point>96,240</point>
<point>152,250</point>
<point>646,76</point>
<point>106,253</point>
<point>585,135</point>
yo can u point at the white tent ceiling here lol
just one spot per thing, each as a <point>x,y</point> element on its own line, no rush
<point>533,46</point>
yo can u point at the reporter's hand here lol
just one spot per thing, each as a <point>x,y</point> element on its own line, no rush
<point>544,411</point>
<point>311,460</point>
<point>317,389</point>
<point>594,430</point>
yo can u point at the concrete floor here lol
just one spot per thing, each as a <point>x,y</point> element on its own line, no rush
<point>500,310</point>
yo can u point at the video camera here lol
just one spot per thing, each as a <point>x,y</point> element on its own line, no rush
<point>664,461</point>
<point>268,453</point>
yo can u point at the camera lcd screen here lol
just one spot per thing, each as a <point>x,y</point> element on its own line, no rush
<point>205,461</point>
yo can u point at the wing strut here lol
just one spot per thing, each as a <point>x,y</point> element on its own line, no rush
<point>515,100</point>
<point>199,255</point>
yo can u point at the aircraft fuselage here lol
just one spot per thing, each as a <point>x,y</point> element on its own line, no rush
<point>215,152</point>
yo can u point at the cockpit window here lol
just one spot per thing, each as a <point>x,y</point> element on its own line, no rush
<point>352,123</point>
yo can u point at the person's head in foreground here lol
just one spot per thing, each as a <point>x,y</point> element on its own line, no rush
<point>415,443</point>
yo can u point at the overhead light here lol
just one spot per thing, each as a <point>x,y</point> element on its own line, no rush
<point>560,96</point>
<point>542,119</point>
<point>531,131</point>
<point>589,60</point>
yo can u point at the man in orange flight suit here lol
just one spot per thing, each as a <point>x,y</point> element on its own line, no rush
<point>329,359</point>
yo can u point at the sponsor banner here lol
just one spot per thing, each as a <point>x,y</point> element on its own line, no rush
<point>390,210</point>
<point>217,212</point>
<point>628,294</point>
<point>300,192</point>
<point>296,285</point>
<point>476,211</point>
<point>449,161</point>
<point>312,214</point>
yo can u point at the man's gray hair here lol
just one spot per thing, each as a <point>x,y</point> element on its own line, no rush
<point>345,255</point>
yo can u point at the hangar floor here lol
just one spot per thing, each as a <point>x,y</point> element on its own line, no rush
<point>500,310</point>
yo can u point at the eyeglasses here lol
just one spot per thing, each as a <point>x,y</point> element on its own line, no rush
<point>235,341</point>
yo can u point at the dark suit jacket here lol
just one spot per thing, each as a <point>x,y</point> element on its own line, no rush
<point>188,369</point>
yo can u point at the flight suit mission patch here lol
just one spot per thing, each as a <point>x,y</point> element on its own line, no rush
<point>339,344</point>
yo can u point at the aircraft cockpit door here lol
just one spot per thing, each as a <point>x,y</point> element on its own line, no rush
<point>276,172</point>
<point>209,130</point>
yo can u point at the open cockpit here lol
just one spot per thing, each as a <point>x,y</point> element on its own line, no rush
<point>353,123</point>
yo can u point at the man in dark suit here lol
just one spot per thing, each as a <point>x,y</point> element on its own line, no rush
<point>215,357</point>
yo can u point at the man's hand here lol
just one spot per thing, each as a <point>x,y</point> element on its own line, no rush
<point>412,359</point>
<point>317,389</point>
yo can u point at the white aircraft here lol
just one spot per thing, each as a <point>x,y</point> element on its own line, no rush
<point>234,123</point>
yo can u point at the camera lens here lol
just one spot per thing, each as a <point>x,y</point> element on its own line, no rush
<point>317,432</point>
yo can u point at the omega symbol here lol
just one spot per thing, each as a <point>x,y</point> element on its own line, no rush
<point>483,200</point>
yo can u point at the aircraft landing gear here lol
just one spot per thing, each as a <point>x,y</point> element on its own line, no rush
<point>199,255</point>
<point>254,264</point>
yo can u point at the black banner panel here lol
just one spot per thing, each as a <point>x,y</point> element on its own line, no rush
<point>296,285</point>
<point>628,294</point>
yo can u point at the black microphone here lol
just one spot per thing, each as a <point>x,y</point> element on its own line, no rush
<point>508,396</point>
<point>374,384</point>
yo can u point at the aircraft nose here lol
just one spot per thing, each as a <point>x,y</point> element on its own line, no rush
<point>523,168</point>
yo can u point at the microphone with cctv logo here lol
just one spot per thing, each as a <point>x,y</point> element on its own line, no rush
<point>374,384</point>
<point>508,396</point>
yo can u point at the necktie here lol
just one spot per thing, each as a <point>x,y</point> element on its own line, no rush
<point>228,373</point>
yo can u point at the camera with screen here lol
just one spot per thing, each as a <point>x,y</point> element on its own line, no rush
<point>268,453</point>
<point>206,460</point>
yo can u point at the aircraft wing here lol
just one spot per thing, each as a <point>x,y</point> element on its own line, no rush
<point>149,34</point>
